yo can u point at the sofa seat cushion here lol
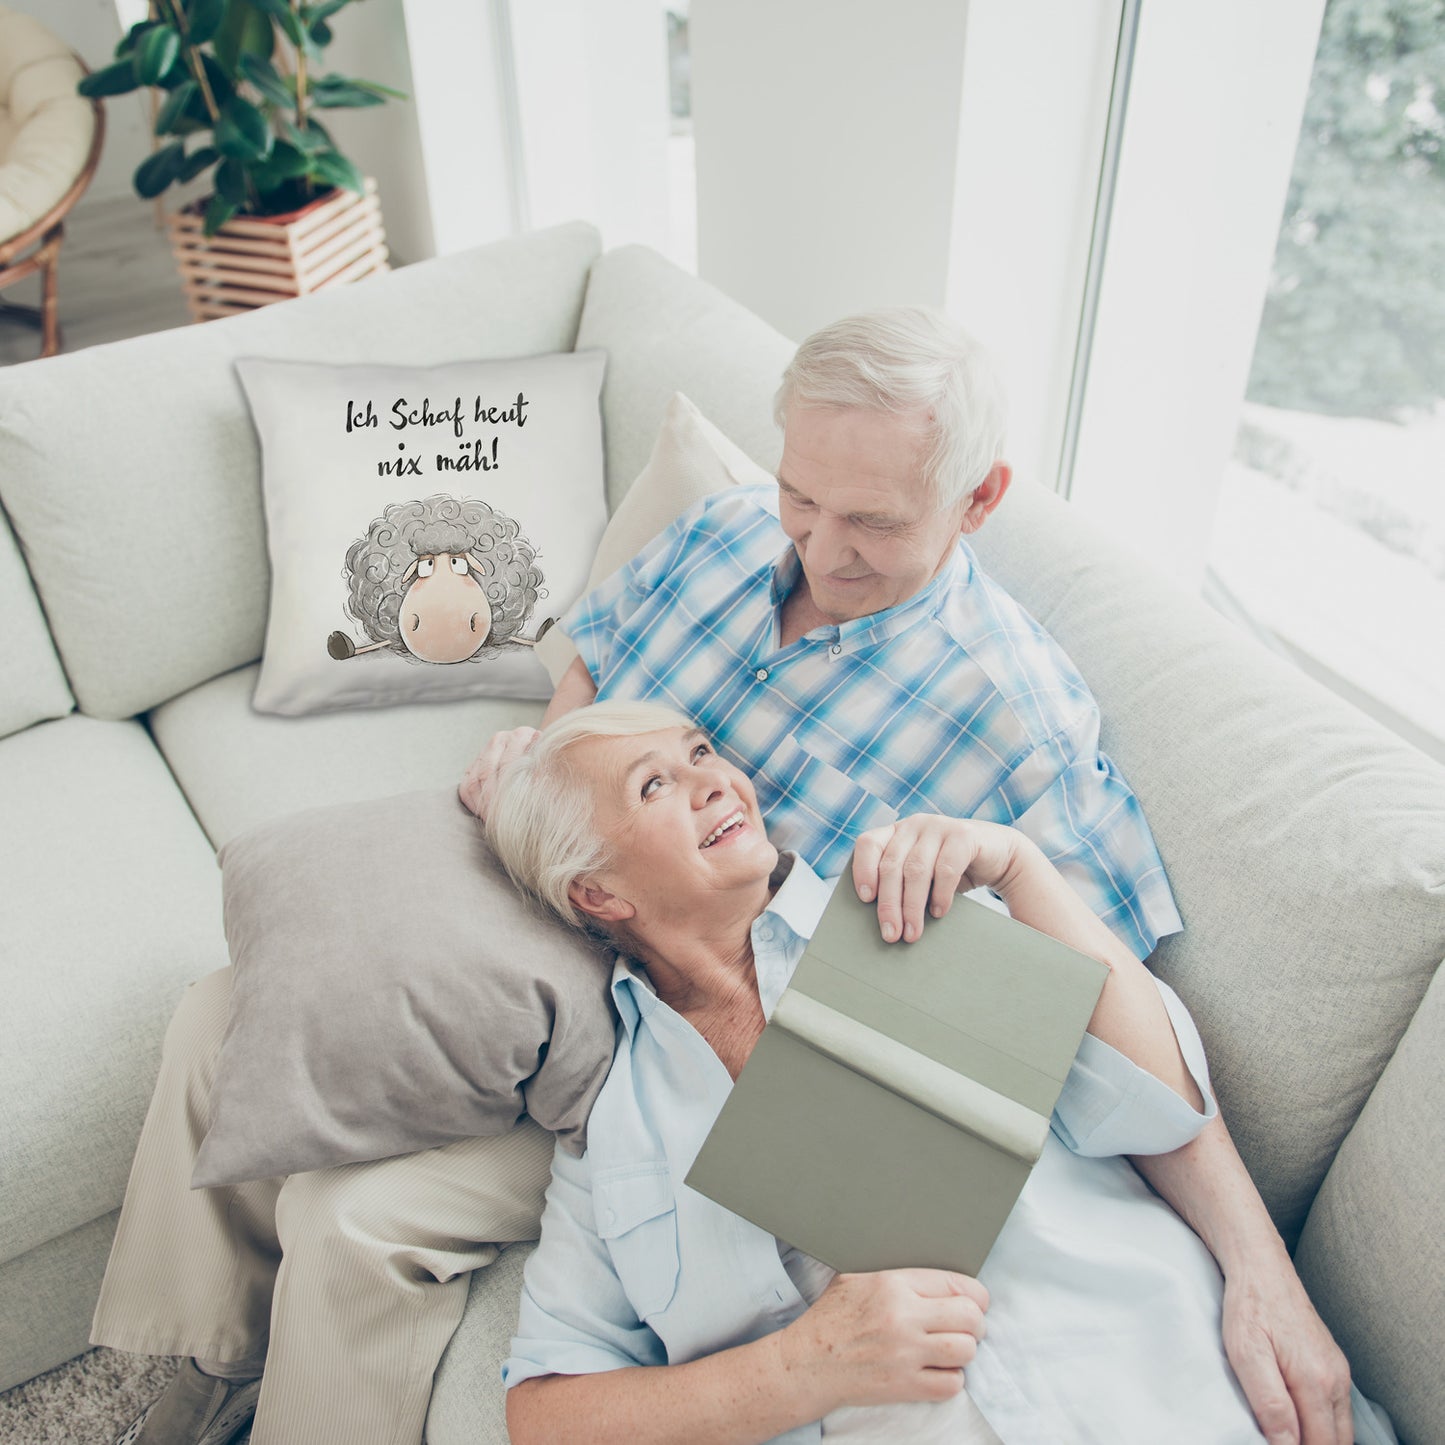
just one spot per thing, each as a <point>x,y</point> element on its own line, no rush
<point>1302,841</point>
<point>239,768</point>
<point>111,904</point>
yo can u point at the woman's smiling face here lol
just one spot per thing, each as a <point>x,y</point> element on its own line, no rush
<point>680,822</point>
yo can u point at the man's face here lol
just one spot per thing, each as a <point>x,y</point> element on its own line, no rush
<point>853,500</point>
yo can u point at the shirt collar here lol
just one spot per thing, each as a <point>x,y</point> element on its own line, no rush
<point>879,626</point>
<point>781,930</point>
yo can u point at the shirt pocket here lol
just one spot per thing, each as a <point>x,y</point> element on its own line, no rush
<point>819,810</point>
<point>636,1212</point>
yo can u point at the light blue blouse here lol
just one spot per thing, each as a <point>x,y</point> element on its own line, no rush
<point>1105,1316</point>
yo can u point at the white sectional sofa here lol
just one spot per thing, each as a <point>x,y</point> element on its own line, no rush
<point>1306,846</point>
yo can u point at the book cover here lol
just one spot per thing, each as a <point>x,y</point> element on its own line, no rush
<point>900,1094</point>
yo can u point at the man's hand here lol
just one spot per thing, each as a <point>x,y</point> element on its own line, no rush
<point>916,865</point>
<point>1295,1377</point>
<point>475,789</point>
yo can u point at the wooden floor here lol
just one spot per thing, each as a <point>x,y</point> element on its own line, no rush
<point>117,279</point>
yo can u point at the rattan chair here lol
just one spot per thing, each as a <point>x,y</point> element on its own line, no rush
<point>50,139</point>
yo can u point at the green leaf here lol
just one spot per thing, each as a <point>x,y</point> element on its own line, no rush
<point>333,92</point>
<point>324,11</point>
<point>244,31</point>
<point>222,85</point>
<point>287,162</point>
<point>320,35</point>
<point>131,38</point>
<point>175,105</point>
<point>203,19</point>
<point>333,168</point>
<point>242,132</point>
<point>231,182</point>
<point>378,89</point>
<point>117,79</point>
<point>157,52</point>
<point>157,171</point>
<point>267,79</point>
<point>312,140</point>
<point>218,212</point>
<point>197,161</point>
<point>285,17</point>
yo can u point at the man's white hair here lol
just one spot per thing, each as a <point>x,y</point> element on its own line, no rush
<point>542,822</point>
<point>908,360</point>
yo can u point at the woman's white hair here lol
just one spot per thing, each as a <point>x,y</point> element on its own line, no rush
<point>542,821</point>
<point>908,360</point>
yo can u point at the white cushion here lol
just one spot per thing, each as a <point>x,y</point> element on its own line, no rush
<point>32,684</point>
<point>355,547</point>
<point>664,331</point>
<point>110,906</point>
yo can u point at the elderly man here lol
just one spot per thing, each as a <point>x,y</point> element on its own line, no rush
<point>838,640</point>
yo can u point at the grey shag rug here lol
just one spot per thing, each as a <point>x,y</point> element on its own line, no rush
<point>86,1402</point>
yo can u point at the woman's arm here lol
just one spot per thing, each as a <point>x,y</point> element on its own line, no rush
<point>903,1334</point>
<point>916,866</point>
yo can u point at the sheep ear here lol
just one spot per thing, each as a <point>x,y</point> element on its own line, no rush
<point>410,571</point>
<point>474,564</point>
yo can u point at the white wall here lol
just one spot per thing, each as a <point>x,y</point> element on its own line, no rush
<point>592,100</point>
<point>827,147</point>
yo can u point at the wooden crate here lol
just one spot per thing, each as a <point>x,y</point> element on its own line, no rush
<point>255,260</point>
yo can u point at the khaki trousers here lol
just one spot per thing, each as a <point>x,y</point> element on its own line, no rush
<point>350,1281</point>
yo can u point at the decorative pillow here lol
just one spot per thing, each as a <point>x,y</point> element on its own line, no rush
<point>691,459</point>
<point>393,992</point>
<point>425,524</point>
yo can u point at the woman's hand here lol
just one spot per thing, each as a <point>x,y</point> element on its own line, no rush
<point>475,789</point>
<point>918,864</point>
<point>897,1335</point>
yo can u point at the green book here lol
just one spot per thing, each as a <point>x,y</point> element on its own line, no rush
<point>900,1094</point>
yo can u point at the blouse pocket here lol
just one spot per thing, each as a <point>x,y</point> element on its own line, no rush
<point>637,1216</point>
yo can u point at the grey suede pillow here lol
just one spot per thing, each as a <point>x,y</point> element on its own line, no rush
<point>393,992</point>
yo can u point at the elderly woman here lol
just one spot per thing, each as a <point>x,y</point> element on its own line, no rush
<point>654,1314</point>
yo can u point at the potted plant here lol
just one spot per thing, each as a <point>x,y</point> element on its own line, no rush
<point>240,84</point>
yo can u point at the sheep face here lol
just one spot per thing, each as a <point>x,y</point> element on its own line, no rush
<point>445,615</point>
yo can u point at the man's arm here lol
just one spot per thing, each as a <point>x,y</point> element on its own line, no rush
<point>1295,1377</point>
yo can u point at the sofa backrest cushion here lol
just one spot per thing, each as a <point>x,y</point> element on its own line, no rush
<point>1373,1250</point>
<point>32,682</point>
<point>132,473</point>
<point>664,332</point>
<point>1302,841</point>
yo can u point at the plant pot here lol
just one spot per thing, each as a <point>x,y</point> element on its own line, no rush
<point>255,260</point>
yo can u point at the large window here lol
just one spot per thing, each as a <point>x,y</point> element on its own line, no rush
<point>1330,528</point>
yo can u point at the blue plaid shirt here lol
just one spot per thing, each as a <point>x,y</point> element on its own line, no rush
<point>954,702</point>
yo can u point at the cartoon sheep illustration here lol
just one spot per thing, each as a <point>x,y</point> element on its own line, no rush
<point>445,579</point>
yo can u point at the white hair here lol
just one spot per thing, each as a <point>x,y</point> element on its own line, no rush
<point>542,822</point>
<point>908,360</point>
